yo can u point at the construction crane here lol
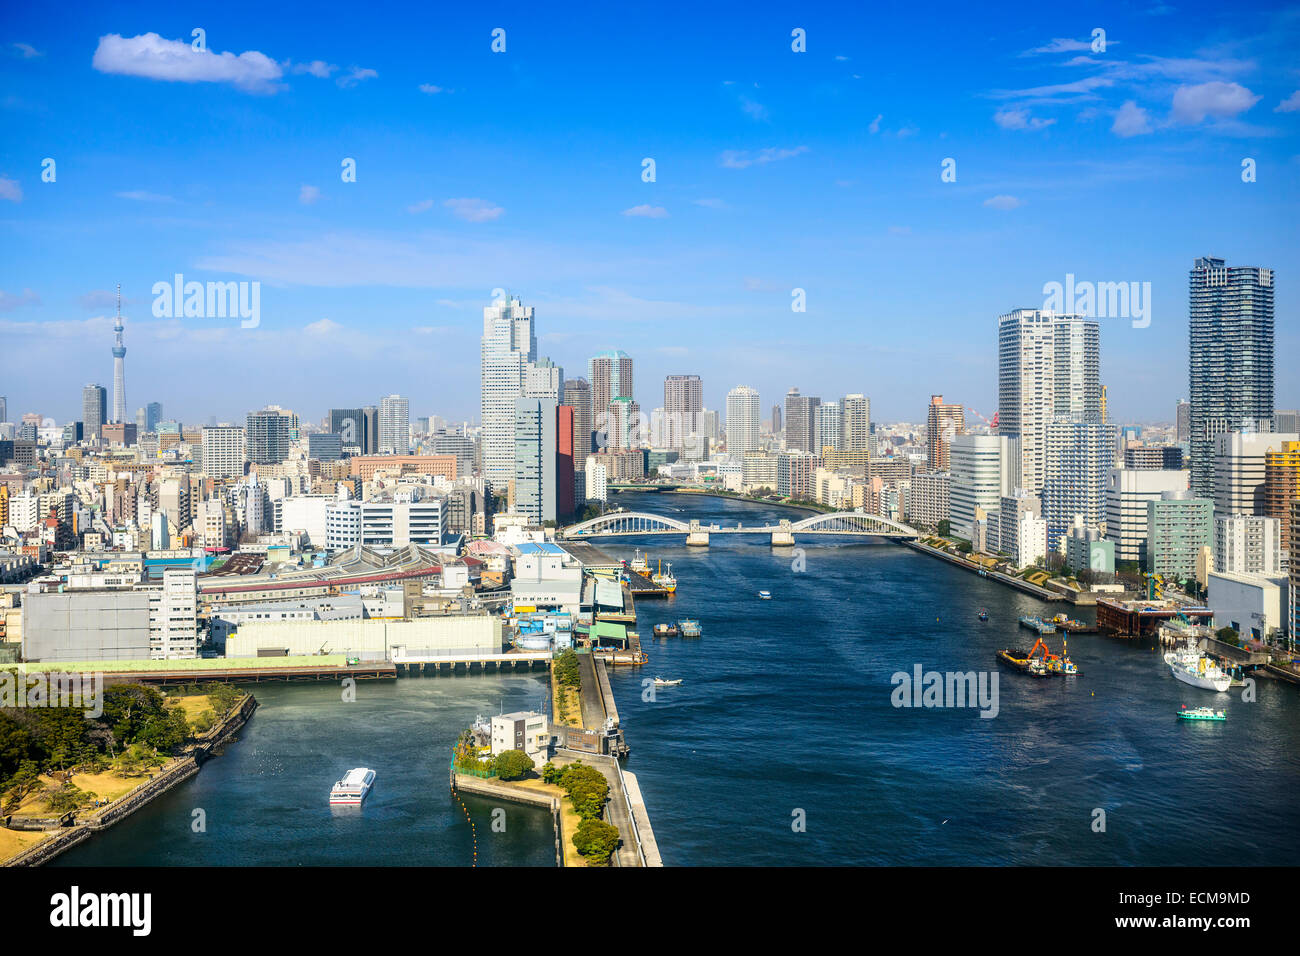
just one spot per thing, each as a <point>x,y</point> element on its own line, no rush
<point>991,424</point>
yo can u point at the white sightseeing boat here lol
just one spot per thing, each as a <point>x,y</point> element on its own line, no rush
<point>352,789</point>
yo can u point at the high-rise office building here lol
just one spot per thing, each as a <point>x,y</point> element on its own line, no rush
<point>535,459</point>
<point>508,347</point>
<point>981,474</point>
<point>830,427</point>
<point>267,435</point>
<point>1127,493</point>
<point>1230,326</point>
<point>1284,420</point>
<point>94,410</point>
<point>4,409</point>
<point>1183,421</point>
<point>801,421</point>
<point>683,404</point>
<point>1240,465</point>
<point>544,379</point>
<point>776,419</point>
<point>855,411</point>
<point>349,425</point>
<point>1048,368</point>
<point>565,447</point>
<point>577,395</point>
<point>394,425</point>
<point>742,421</point>
<point>943,423</point>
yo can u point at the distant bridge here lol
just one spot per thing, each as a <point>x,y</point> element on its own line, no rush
<point>850,523</point>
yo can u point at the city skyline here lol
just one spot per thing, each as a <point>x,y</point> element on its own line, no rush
<point>686,273</point>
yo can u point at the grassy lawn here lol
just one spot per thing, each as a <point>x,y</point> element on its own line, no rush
<point>562,696</point>
<point>569,818</point>
<point>13,842</point>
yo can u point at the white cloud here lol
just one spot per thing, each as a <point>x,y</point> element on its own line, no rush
<point>1019,118</point>
<point>152,57</point>
<point>26,51</point>
<point>739,159</point>
<point>356,75</point>
<point>1130,120</point>
<point>1003,202</point>
<point>756,110</point>
<point>875,123</point>
<point>711,203</point>
<point>424,205</point>
<point>1290,104</point>
<point>1065,45</point>
<point>10,302</point>
<point>1084,86</point>
<point>322,327</point>
<point>474,210</point>
<point>1216,100</point>
<point>430,89</point>
<point>9,189</point>
<point>309,195</point>
<point>647,212</point>
<point>317,68</point>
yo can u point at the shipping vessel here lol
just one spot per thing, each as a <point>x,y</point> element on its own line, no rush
<point>665,581</point>
<point>353,788</point>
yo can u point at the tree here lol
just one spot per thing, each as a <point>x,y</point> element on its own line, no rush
<point>596,840</point>
<point>512,764</point>
<point>550,773</point>
<point>945,527</point>
<point>566,669</point>
<point>1227,635</point>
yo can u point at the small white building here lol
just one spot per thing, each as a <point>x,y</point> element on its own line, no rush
<point>523,730</point>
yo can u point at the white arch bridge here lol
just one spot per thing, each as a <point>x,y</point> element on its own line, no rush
<point>843,523</point>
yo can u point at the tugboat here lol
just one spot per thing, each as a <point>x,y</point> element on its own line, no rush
<point>1200,713</point>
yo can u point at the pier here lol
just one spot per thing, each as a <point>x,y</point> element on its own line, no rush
<point>1143,618</point>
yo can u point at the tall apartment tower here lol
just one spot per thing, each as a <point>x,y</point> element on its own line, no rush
<point>1230,357</point>
<point>830,427</point>
<point>577,395</point>
<point>119,364</point>
<point>94,411</point>
<point>943,423</point>
<point>508,348</point>
<point>855,413</point>
<point>1183,421</point>
<point>742,421</point>
<point>267,435</point>
<point>777,424</point>
<point>535,458</point>
<point>683,404</point>
<point>394,425</point>
<point>1049,367</point>
<point>610,374</point>
<point>800,421</point>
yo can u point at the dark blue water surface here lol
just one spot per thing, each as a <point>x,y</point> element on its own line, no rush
<point>786,705</point>
<point>785,708</point>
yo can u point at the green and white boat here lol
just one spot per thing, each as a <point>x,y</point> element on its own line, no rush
<point>1201,713</point>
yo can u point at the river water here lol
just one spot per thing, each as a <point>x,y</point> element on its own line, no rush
<point>782,745</point>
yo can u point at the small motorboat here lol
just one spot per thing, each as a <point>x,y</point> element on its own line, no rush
<point>665,630</point>
<point>662,682</point>
<point>765,595</point>
<point>1200,713</point>
<point>984,615</point>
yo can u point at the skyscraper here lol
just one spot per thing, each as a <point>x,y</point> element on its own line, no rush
<point>565,447</point>
<point>119,364</point>
<point>1183,421</point>
<point>801,421</point>
<point>776,419</point>
<point>855,410</point>
<point>943,423</point>
<point>94,410</point>
<point>1048,368</point>
<point>830,427</point>
<point>742,420</point>
<point>610,374</point>
<point>267,434</point>
<point>509,346</point>
<point>577,395</point>
<point>153,413</point>
<point>394,425</point>
<point>1230,325</point>
<point>535,459</point>
<point>683,403</point>
<point>4,409</point>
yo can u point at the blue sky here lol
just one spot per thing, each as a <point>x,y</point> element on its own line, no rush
<point>775,170</point>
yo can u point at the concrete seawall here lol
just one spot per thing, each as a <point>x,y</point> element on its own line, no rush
<point>1020,585</point>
